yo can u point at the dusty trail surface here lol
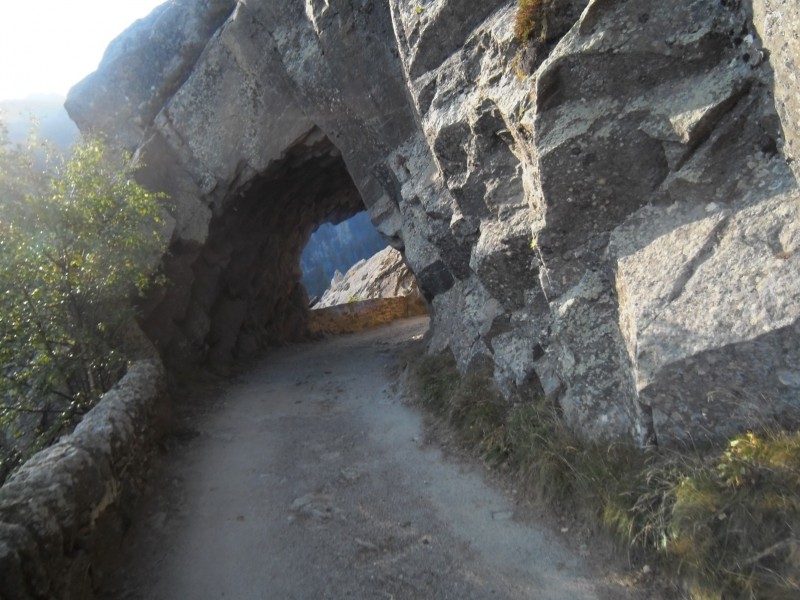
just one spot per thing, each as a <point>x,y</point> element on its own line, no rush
<point>308,478</point>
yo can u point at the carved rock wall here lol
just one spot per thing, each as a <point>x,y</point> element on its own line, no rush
<point>275,82</point>
<point>634,175</point>
<point>605,214</point>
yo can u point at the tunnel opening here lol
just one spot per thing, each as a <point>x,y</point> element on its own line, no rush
<point>334,248</point>
<point>246,292</point>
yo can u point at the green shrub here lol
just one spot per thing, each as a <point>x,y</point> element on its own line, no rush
<point>734,518</point>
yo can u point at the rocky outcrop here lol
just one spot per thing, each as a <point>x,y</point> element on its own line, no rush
<point>633,164</point>
<point>63,513</point>
<point>373,292</point>
<point>778,24</point>
<point>303,142</point>
<point>606,213</point>
<point>384,275</point>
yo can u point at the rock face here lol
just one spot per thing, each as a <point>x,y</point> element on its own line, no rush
<point>778,24</point>
<point>384,275</point>
<point>606,214</point>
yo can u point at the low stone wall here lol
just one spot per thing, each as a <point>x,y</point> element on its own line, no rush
<point>364,314</point>
<point>64,513</point>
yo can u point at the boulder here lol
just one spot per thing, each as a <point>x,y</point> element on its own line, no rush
<point>384,275</point>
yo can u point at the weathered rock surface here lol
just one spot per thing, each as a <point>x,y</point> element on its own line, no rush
<point>63,513</point>
<point>607,215</point>
<point>778,24</point>
<point>384,275</point>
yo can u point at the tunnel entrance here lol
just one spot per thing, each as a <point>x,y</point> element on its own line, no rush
<point>246,292</point>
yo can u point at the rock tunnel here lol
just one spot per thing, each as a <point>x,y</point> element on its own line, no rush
<point>246,291</point>
<point>533,202</point>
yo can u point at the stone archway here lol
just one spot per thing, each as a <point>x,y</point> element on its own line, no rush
<point>539,212</point>
<point>246,290</point>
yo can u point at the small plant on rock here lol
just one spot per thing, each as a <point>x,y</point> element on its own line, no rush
<point>529,19</point>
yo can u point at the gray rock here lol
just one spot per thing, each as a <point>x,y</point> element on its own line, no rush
<point>383,275</point>
<point>151,63</point>
<point>604,215</point>
<point>777,23</point>
<point>65,508</point>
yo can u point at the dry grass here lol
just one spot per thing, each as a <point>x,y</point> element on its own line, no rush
<point>470,404</point>
<point>529,18</point>
<point>724,520</point>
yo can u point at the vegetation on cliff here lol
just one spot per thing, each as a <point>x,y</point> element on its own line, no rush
<point>529,18</point>
<point>79,238</point>
<point>721,519</point>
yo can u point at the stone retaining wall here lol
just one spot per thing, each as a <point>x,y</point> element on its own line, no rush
<point>64,513</point>
<point>364,314</point>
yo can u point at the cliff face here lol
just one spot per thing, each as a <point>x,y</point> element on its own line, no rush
<point>778,24</point>
<point>606,214</point>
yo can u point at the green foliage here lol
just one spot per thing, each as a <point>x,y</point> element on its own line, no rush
<point>734,518</point>
<point>78,240</point>
<point>726,521</point>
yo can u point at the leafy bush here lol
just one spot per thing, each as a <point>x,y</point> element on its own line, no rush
<point>78,239</point>
<point>725,520</point>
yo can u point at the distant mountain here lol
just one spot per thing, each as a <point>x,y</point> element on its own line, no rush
<point>337,247</point>
<point>48,112</point>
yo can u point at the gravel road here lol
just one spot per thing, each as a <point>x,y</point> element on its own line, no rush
<point>308,477</point>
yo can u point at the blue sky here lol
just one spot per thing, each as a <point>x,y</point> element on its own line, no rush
<point>46,46</point>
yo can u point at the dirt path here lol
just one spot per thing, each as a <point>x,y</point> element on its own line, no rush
<point>308,479</point>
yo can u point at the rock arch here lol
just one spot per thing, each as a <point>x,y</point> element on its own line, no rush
<point>616,230</point>
<point>246,290</point>
<point>255,149</point>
